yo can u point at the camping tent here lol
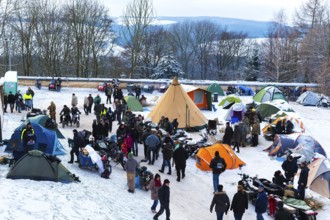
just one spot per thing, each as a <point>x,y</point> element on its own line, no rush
<point>319,176</point>
<point>176,103</point>
<point>35,165</point>
<point>215,88</point>
<point>298,125</point>
<point>229,100</point>
<point>308,98</point>
<point>298,143</point>
<point>42,120</point>
<point>205,155</point>
<point>46,140</point>
<point>268,108</point>
<point>201,97</point>
<point>235,112</point>
<point>133,104</point>
<point>244,90</point>
<point>268,93</point>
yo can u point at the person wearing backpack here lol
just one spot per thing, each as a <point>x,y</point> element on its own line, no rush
<point>218,166</point>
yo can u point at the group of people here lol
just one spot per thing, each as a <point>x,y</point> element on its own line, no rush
<point>19,101</point>
<point>237,136</point>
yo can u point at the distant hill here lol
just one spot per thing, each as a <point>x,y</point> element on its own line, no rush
<point>254,29</point>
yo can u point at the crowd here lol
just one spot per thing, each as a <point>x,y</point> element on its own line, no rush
<point>132,131</point>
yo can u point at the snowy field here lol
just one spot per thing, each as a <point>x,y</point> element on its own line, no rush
<point>98,198</point>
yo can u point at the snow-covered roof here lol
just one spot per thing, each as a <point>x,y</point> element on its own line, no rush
<point>11,76</point>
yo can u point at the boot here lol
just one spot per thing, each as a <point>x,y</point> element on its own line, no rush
<point>70,161</point>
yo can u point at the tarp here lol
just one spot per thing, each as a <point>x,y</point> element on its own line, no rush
<point>268,93</point>
<point>269,108</point>
<point>298,143</point>
<point>46,140</point>
<point>215,88</point>
<point>235,111</point>
<point>244,90</point>
<point>229,100</point>
<point>41,120</point>
<point>206,154</point>
<point>298,125</point>
<point>176,103</point>
<point>35,165</point>
<point>319,177</point>
<point>308,98</point>
<point>201,97</point>
<point>133,104</point>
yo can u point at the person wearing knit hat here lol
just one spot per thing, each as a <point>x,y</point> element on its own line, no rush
<point>164,199</point>
<point>130,166</point>
<point>239,203</point>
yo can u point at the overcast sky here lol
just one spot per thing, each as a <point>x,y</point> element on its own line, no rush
<point>261,10</point>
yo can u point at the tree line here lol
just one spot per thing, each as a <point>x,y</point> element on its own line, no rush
<point>77,39</point>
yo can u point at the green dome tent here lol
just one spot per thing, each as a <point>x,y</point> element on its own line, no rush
<point>36,165</point>
<point>268,93</point>
<point>215,88</point>
<point>133,104</point>
<point>229,100</point>
<point>269,108</point>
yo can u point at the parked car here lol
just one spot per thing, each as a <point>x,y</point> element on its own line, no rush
<point>148,88</point>
<point>101,87</point>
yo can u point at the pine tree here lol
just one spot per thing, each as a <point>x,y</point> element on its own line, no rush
<point>253,67</point>
<point>168,68</point>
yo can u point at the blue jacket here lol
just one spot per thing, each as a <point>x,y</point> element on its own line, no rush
<point>152,141</point>
<point>261,202</point>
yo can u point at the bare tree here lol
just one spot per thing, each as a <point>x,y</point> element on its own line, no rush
<point>280,51</point>
<point>229,51</point>
<point>182,44</point>
<point>204,34</point>
<point>137,16</point>
<point>311,14</point>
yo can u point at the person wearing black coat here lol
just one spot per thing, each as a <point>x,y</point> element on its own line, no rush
<point>218,166</point>
<point>290,168</point>
<point>279,179</point>
<point>167,155</point>
<point>281,213</point>
<point>78,142</point>
<point>11,101</point>
<point>228,134</point>
<point>239,203</point>
<point>180,156</point>
<point>164,199</point>
<point>303,179</point>
<point>221,202</point>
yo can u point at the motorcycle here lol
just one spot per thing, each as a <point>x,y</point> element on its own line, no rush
<point>76,120</point>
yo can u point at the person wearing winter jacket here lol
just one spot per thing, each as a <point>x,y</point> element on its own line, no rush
<point>255,132</point>
<point>290,168</point>
<point>90,103</point>
<point>239,203</point>
<point>180,156</point>
<point>167,155</point>
<point>130,166</point>
<point>11,101</point>
<point>152,141</point>
<point>221,202</point>
<point>281,213</point>
<point>164,199</point>
<point>228,134</point>
<point>218,166</point>
<point>74,100</point>
<point>261,202</point>
<point>279,179</point>
<point>303,179</point>
<point>52,110</point>
<point>237,137</point>
<point>154,186</point>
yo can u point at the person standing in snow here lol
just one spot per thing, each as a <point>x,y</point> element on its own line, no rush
<point>303,179</point>
<point>218,166</point>
<point>52,110</point>
<point>290,168</point>
<point>221,202</point>
<point>180,156</point>
<point>154,186</point>
<point>237,137</point>
<point>74,100</point>
<point>164,199</point>
<point>130,166</point>
<point>228,134</point>
<point>239,203</point>
<point>261,202</point>
<point>90,103</point>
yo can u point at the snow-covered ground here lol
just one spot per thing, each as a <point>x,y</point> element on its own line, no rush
<point>98,198</point>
